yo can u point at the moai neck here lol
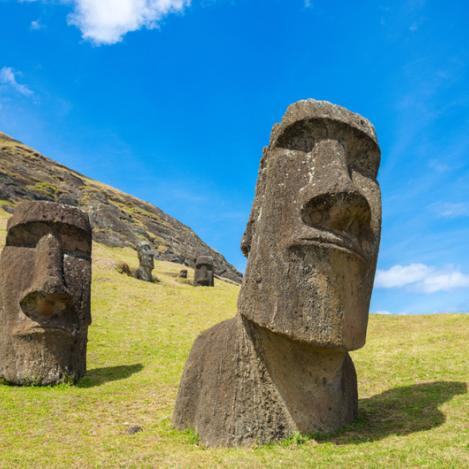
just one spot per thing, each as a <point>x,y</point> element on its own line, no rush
<point>318,386</point>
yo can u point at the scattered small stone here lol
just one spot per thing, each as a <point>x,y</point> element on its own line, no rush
<point>134,429</point>
<point>123,268</point>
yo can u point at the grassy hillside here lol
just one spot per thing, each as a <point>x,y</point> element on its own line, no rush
<point>413,374</point>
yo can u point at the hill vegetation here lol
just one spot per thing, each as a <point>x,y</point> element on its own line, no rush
<point>413,376</point>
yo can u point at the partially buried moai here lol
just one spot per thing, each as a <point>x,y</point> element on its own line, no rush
<point>203,275</point>
<point>45,279</point>
<point>146,259</point>
<point>282,364</point>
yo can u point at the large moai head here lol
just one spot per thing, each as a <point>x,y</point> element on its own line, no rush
<point>313,236</point>
<point>146,261</point>
<point>203,275</point>
<point>45,279</point>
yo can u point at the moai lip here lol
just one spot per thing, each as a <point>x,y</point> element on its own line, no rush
<point>203,276</point>
<point>282,364</point>
<point>45,283</point>
<point>146,262</point>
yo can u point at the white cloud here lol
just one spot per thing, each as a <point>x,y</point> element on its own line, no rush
<point>8,78</point>
<point>421,277</point>
<point>107,21</point>
<point>401,275</point>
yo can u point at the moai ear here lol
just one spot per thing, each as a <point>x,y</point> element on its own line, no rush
<point>249,233</point>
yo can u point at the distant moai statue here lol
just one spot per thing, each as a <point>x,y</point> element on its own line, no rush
<point>203,276</point>
<point>45,280</point>
<point>183,273</point>
<point>282,364</point>
<point>146,259</point>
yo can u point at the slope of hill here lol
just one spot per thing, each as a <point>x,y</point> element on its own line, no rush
<point>118,219</point>
<point>413,409</point>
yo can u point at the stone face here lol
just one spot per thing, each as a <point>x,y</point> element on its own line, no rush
<point>146,262</point>
<point>282,364</point>
<point>203,276</point>
<point>45,280</point>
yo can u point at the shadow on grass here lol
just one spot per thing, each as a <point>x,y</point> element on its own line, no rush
<point>99,376</point>
<point>398,411</point>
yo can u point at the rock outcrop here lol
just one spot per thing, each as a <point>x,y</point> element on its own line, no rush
<point>118,219</point>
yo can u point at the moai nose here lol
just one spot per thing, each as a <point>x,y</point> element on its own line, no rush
<point>339,206</point>
<point>48,297</point>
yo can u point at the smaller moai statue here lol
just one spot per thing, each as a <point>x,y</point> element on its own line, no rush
<point>183,273</point>
<point>203,276</point>
<point>146,259</point>
<point>45,280</point>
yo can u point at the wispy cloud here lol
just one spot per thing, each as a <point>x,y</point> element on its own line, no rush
<point>8,78</point>
<point>421,277</point>
<point>451,210</point>
<point>36,25</point>
<point>108,21</point>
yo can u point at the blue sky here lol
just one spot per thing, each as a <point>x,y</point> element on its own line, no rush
<point>173,100</point>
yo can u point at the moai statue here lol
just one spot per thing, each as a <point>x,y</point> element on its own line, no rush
<point>183,273</point>
<point>45,280</point>
<point>203,276</point>
<point>282,364</point>
<point>146,261</point>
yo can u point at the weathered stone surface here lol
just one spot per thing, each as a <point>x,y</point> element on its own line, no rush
<point>282,364</point>
<point>118,219</point>
<point>45,279</point>
<point>203,275</point>
<point>183,273</point>
<point>146,262</point>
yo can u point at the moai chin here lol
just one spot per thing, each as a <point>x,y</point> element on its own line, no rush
<point>146,262</point>
<point>203,275</point>
<point>45,280</point>
<point>282,364</point>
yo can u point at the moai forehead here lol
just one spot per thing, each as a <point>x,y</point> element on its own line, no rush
<point>204,260</point>
<point>145,246</point>
<point>33,220</point>
<point>311,109</point>
<point>49,212</point>
<point>313,234</point>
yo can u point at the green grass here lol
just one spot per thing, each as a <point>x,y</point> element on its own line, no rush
<point>413,376</point>
<point>45,188</point>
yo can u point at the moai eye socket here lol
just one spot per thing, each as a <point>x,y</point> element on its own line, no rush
<point>28,234</point>
<point>297,137</point>
<point>75,242</point>
<point>363,155</point>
